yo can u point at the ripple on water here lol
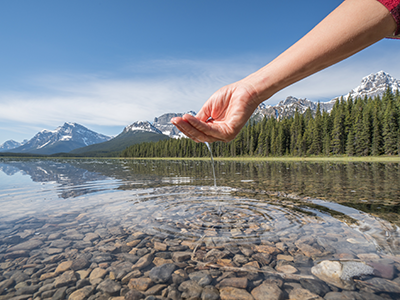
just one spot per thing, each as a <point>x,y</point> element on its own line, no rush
<point>224,215</point>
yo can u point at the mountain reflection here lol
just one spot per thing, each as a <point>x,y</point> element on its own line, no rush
<point>72,181</point>
<point>369,187</point>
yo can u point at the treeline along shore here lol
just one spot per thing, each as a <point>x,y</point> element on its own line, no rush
<point>354,127</point>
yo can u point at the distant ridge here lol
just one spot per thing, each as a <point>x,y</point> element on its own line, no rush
<point>371,86</point>
<point>137,132</point>
<point>63,139</point>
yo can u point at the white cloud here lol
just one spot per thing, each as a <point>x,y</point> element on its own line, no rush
<point>106,100</point>
<point>153,88</point>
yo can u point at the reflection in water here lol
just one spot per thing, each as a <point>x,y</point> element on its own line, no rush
<point>369,187</point>
<point>72,180</point>
<point>276,219</point>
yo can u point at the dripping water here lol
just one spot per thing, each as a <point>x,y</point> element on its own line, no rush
<point>212,161</point>
<point>219,212</point>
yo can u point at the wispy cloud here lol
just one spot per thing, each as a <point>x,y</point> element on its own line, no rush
<point>104,99</point>
<point>153,88</point>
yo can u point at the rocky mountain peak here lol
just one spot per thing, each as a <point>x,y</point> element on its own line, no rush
<point>374,85</point>
<point>142,126</point>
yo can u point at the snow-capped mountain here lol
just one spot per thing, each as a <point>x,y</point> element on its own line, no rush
<point>371,86</point>
<point>163,124</point>
<point>142,126</point>
<point>63,139</point>
<point>288,107</point>
<point>374,85</point>
<point>11,144</point>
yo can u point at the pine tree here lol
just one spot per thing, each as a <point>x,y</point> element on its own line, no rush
<point>337,136</point>
<point>390,129</point>
<point>316,133</point>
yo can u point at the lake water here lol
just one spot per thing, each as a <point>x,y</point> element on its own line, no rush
<point>78,229</point>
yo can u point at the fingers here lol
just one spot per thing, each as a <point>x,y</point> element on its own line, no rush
<point>190,131</point>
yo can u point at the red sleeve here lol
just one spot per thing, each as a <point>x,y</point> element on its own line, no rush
<point>394,7</point>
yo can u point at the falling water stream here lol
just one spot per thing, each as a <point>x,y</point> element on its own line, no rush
<point>212,161</point>
<point>215,179</point>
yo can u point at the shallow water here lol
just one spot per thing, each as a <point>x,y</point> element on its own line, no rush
<point>285,214</point>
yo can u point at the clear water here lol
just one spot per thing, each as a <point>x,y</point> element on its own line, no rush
<point>212,162</point>
<point>347,209</point>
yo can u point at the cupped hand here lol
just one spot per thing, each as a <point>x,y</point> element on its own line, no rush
<point>223,115</point>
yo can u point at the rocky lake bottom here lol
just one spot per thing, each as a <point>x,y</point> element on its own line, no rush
<point>110,229</point>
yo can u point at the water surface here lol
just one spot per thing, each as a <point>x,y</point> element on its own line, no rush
<point>308,211</point>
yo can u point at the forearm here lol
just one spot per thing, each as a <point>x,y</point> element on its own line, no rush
<point>353,26</point>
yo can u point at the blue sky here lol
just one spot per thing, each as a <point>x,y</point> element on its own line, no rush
<point>107,64</point>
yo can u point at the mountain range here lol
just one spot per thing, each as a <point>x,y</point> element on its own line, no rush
<point>63,139</point>
<point>371,86</point>
<point>76,139</point>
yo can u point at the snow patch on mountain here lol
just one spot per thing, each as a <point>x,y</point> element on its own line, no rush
<point>69,133</point>
<point>142,126</point>
<point>163,124</point>
<point>374,85</point>
<point>10,144</point>
<point>371,86</point>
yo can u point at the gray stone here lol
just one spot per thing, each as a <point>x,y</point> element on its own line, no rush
<point>61,243</point>
<point>209,293</point>
<point>59,294</point>
<point>156,289</point>
<point>134,295</point>
<point>4,285</point>
<point>101,257</point>
<point>165,255</point>
<point>262,258</point>
<point>28,245</point>
<point>350,295</point>
<point>203,277</point>
<point>315,286</point>
<point>181,256</point>
<point>190,289</point>
<point>162,274</point>
<point>81,283</point>
<point>30,289</point>
<point>143,262</point>
<point>129,257</point>
<point>267,291</point>
<point>129,276</point>
<point>47,294</point>
<point>66,278</point>
<point>19,276</point>
<point>81,293</point>
<point>381,285</point>
<point>109,287</point>
<point>80,263</point>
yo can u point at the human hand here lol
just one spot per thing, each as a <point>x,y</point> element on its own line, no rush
<point>223,115</point>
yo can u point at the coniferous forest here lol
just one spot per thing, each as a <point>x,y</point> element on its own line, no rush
<point>356,127</point>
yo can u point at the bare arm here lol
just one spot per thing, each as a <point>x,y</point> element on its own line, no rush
<point>353,26</point>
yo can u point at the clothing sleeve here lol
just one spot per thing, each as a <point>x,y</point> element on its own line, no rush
<point>394,7</point>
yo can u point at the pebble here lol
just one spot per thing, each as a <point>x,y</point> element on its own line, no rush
<point>109,287</point>
<point>143,262</point>
<point>232,293</point>
<point>303,294</point>
<point>140,284</point>
<point>82,293</point>
<point>162,274</point>
<point>85,260</point>
<point>267,291</point>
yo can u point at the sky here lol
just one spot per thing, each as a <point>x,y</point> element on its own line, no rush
<point>106,64</point>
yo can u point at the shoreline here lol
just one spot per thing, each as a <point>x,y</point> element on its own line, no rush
<point>382,159</point>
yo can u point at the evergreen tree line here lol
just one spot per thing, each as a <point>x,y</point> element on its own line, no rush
<point>356,127</point>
